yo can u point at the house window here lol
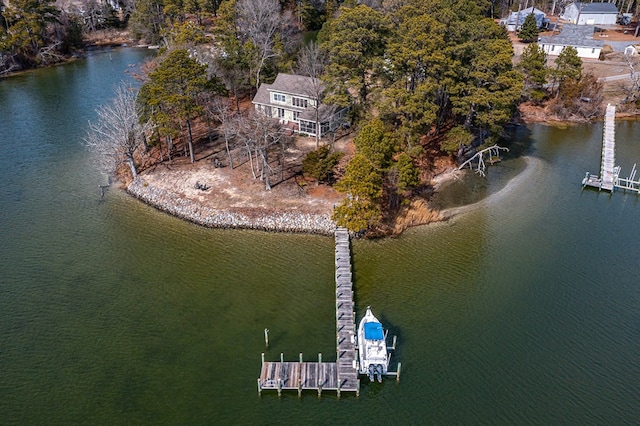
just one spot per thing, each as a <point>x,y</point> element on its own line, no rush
<point>553,47</point>
<point>296,115</point>
<point>299,102</point>
<point>279,97</point>
<point>307,127</point>
<point>593,50</point>
<point>280,112</point>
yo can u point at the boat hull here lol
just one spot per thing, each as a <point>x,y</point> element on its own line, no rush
<point>372,347</point>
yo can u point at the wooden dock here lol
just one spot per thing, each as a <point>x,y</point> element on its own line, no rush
<point>339,376</point>
<point>608,170</point>
<point>609,178</point>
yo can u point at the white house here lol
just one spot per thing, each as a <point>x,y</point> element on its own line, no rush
<point>581,13</point>
<point>292,100</point>
<point>578,36</point>
<point>514,21</point>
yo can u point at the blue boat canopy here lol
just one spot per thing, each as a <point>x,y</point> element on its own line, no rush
<point>373,331</point>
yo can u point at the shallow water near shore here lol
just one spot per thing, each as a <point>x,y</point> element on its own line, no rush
<point>523,310</point>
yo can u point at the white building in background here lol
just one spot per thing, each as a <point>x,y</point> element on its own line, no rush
<point>581,13</point>
<point>291,100</point>
<point>578,36</point>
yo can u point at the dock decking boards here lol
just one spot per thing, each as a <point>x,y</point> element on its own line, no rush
<point>341,375</point>
<point>609,178</point>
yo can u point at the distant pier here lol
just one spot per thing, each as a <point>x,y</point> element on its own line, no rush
<point>609,178</point>
<point>339,376</point>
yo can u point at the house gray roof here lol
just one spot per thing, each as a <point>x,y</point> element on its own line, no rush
<point>262,95</point>
<point>519,17</point>
<point>294,84</point>
<point>574,35</point>
<point>289,84</point>
<point>325,112</point>
<point>602,8</point>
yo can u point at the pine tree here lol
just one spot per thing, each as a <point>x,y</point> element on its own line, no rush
<point>529,29</point>
<point>172,89</point>
<point>533,64</point>
<point>568,67</point>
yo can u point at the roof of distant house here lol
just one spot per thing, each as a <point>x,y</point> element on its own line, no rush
<point>574,35</point>
<point>596,7</point>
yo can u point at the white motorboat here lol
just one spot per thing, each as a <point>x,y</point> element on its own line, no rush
<point>372,347</point>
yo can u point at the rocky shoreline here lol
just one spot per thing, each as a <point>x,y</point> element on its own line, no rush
<point>192,211</point>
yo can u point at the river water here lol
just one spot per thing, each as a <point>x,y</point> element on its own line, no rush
<point>522,310</point>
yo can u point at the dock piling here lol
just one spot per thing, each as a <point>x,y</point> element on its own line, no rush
<point>266,338</point>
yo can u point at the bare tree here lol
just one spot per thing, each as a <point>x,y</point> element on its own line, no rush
<point>311,63</point>
<point>259,20</point>
<point>264,138</point>
<point>222,110</point>
<point>117,134</point>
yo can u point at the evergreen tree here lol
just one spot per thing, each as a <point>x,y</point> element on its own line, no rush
<point>147,21</point>
<point>362,182</point>
<point>533,65</point>
<point>354,42</point>
<point>416,64</point>
<point>568,67</point>
<point>24,30</point>
<point>456,138</point>
<point>319,164</point>
<point>487,87</point>
<point>172,89</point>
<point>363,178</point>
<point>408,173</point>
<point>529,29</point>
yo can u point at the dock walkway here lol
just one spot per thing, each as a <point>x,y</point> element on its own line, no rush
<point>342,375</point>
<point>609,178</point>
<point>608,169</point>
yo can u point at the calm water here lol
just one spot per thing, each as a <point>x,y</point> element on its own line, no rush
<point>522,311</point>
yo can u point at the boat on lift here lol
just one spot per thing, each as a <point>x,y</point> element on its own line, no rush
<point>372,347</point>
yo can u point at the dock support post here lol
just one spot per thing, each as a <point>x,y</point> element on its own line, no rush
<point>338,390</point>
<point>398,373</point>
<point>319,376</point>
<point>281,357</point>
<point>395,338</point>
<point>279,387</point>
<point>266,338</point>
<point>262,359</point>
<point>358,388</point>
<point>300,376</point>
<point>259,388</point>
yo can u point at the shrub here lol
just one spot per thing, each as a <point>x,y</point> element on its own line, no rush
<point>319,164</point>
